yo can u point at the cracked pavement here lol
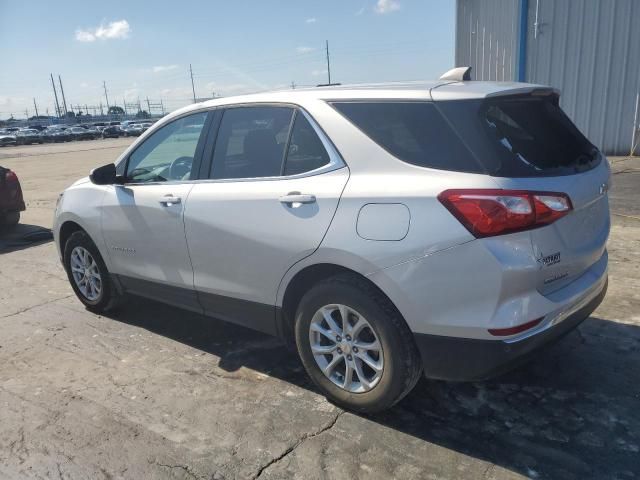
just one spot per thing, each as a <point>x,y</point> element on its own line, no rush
<point>155,392</point>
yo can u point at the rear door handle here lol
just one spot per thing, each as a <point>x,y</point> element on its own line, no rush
<point>296,197</point>
<point>169,200</point>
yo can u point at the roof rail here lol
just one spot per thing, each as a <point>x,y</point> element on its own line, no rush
<point>328,84</point>
<point>458,74</point>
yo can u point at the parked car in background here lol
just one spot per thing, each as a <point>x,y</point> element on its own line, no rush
<point>95,133</point>
<point>145,126</point>
<point>7,138</point>
<point>133,130</point>
<point>112,132</point>
<point>80,133</point>
<point>450,229</point>
<point>28,136</point>
<point>11,200</point>
<point>57,135</point>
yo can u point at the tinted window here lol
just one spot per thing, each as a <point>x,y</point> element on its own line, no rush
<point>306,151</point>
<point>251,142</point>
<point>521,136</point>
<point>413,132</point>
<point>168,153</point>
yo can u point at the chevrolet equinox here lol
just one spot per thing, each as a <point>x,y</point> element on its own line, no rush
<point>446,229</point>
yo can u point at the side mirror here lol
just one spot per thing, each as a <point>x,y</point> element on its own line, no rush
<point>105,175</point>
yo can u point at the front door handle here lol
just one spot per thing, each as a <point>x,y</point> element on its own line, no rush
<point>296,197</point>
<point>169,200</point>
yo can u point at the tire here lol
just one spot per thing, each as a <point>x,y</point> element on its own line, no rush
<point>108,297</point>
<point>401,366</point>
<point>10,219</point>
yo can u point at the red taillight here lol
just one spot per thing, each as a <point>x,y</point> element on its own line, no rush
<point>489,212</point>
<point>503,332</point>
<point>11,177</point>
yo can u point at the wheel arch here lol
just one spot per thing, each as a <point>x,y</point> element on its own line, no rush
<point>68,228</point>
<point>304,279</point>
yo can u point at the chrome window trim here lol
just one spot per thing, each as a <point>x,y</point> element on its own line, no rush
<point>336,161</point>
<point>150,131</point>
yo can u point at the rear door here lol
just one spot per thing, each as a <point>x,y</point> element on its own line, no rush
<point>528,143</point>
<point>274,185</point>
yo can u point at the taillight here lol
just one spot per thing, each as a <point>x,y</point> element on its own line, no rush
<point>489,212</point>
<point>11,177</point>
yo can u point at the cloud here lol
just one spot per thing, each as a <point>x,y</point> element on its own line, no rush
<point>118,29</point>
<point>311,20</point>
<point>163,68</point>
<point>317,73</point>
<point>304,49</point>
<point>386,6</point>
<point>360,12</point>
<point>84,85</point>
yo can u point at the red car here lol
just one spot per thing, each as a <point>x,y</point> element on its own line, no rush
<point>11,200</point>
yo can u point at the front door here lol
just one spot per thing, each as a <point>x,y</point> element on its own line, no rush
<point>274,189</point>
<point>142,220</point>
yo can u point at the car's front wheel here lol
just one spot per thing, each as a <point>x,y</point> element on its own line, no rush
<point>88,273</point>
<point>10,219</point>
<point>355,345</point>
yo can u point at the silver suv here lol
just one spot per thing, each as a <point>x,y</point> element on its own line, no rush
<point>449,229</point>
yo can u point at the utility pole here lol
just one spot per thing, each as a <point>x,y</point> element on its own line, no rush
<point>124,105</point>
<point>35,106</point>
<point>26,113</point>
<point>104,84</point>
<point>55,94</point>
<point>64,101</point>
<point>193,88</point>
<point>293,85</point>
<point>328,63</point>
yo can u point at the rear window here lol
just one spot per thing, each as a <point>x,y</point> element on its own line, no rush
<point>521,136</point>
<point>413,132</point>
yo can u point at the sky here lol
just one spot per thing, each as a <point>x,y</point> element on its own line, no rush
<point>143,49</point>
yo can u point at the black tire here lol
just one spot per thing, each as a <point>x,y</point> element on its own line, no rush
<point>402,363</point>
<point>109,297</point>
<point>10,219</point>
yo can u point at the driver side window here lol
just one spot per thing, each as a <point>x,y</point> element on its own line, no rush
<point>168,153</point>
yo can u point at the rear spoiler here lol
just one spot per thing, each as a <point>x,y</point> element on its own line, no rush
<point>536,91</point>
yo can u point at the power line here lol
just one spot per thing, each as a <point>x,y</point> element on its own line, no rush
<point>193,88</point>
<point>64,101</point>
<point>328,63</point>
<point>55,94</point>
<point>104,84</point>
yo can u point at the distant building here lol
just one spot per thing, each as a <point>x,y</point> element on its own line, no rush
<point>589,49</point>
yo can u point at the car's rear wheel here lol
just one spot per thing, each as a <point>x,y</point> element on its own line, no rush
<point>355,345</point>
<point>88,274</point>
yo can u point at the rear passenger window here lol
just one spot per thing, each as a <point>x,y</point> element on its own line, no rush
<point>306,151</point>
<point>413,132</point>
<point>251,142</point>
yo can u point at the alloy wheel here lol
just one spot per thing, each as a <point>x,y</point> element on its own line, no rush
<point>85,273</point>
<point>346,348</point>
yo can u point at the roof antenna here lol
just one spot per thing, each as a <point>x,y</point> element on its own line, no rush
<point>458,74</point>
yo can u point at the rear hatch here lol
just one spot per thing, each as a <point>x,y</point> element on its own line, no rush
<point>526,142</point>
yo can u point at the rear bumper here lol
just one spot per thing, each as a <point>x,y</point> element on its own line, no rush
<point>467,359</point>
